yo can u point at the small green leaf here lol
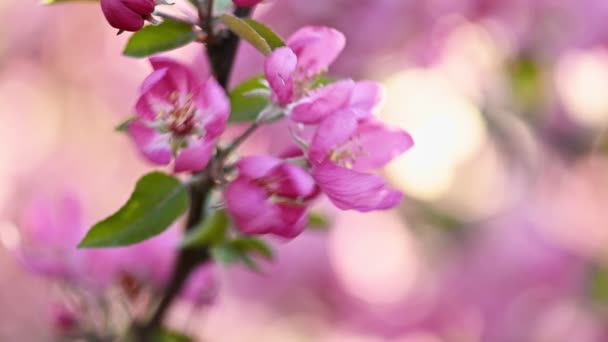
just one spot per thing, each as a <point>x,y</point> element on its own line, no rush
<point>272,38</point>
<point>158,200</point>
<point>246,107</point>
<point>209,233</point>
<point>165,36</point>
<point>166,335</point>
<point>242,249</point>
<point>318,221</point>
<point>252,245</point>
<point>598,284</point>
<point>124,126</point>
<point>225,253</point>
<point>242,29</point>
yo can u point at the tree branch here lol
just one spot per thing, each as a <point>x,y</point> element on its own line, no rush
<point>222,52</point>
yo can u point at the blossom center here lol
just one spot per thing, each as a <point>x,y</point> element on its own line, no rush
<point>181,119</point>
<point>346,154</point>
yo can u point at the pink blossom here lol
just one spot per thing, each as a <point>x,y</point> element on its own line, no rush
<point>246,3</point>
<point>309,51</point>
<point>50,231</point>
<point>342,152</point>
<point>201,287</point>
<point>127,15</point>
<point>269,196</point>
<point>180,114</point>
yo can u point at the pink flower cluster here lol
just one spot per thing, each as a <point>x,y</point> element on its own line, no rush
<point>181,113</point>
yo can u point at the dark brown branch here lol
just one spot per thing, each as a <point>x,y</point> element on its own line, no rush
<point>222,52</point>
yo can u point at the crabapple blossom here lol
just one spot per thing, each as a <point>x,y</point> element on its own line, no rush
<point>345,149</point>
<point>180,114</point>
<point>269,196</point>
<point>309,51</point>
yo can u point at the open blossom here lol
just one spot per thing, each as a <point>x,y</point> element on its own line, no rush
<point>127,15</point>
<point>180,114</point>
<point>290,71</point>
<point>269,196</point>
<point>345,149</point>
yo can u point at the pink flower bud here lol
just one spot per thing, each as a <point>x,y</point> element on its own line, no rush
<point>246,3</point>
<point>127,15</point>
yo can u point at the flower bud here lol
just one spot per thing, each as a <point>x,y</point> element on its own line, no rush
<point>127,15</point>
<point>246,3</point>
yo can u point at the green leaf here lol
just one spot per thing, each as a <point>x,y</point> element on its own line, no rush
<point>251,245</point>
<point>598,284</point>
<point>153,39</point>
<point>246,107</point>
<point>225,253</point>
<point>209,233</point>
<point>124,126</point>
<point>242,29</point>
<point>166,335</point>
<point>158,200</point>
<point>273,39</point>
<point>242,250</point>
<point>318,221</point>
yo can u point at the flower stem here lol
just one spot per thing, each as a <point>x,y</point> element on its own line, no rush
<point>222,52</point>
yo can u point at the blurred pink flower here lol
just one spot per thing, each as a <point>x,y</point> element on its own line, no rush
<point>127,15</point>
<point>180,114</point>
<point>269,196</point>
<point>50,230</point>
<point>202,287</point>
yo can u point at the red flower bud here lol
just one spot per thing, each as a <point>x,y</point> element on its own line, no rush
<point>127,15</point>
<point>246,3</point>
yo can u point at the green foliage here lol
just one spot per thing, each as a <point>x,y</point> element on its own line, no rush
<point>255,33</point>
<point>124,126</point>
<point>157,201</point>
<point>598,285</point>
<point>244,106</point>
<point>166,335</point>
<point>209,233</point>
<point>318,221</point>
<point>241,250</point>
<point>165,36</point>
<point>271,37</point>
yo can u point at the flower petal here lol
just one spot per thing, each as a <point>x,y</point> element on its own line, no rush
<point>331,133</point>
<point>293,218</point>
<point>214,108</point>
<point>316,48</point>
<point>120,16</point>
<point>182,78</point>
<point>322,102</point>
<point>380,144</point>
<point>366,96</point>
<point>194,157</point>
<point>279,69</point>
<point>291,181</point>
<point>350,189</point>
<point>257,166</point>
<point>151,144</point>
<point>248,204</point>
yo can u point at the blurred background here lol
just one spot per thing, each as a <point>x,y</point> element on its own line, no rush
<point>501,236</point>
